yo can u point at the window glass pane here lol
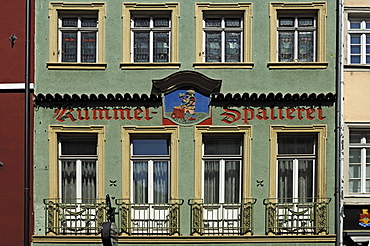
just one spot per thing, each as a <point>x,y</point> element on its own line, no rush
<point>285,178</point>
<point>68,182</point>
<point>88,180</point>
<point>140,182</point>
<point>161,47</point>
<point>355,171</point>
<point>286,22</point>
<point>211,181</point>
<point>235,22</point>
<point>89,22</point>
<point>367,170</point>
<point>233,40</point>
<point>367,25</point>
<point>88,47</point>
<point>69,47</point>
<point>367,186</point>
<point>355,49</point>
<point>141,47</point>
<point>305,46</point>
<point>355,24</point>
<point>296,144</point>
<point>161,22</point>
<point>355,59</point>
<point>305,22</point>
<point>232,181</point>
<point>79,145</point>
<point>213,47</point>
<point>160,180</point>
<point>141,22</point>
<point>222,146</point>
<point>367,59</point>
<point>150,147</point>
<point>305,178</point>
<point>355,39</point>
<point>286,46</point>
<point>354,186</point>
<point>70,22</point>
<point>212,22</point>
<point>355,156</point>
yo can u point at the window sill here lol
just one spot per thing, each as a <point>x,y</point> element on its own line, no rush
<point>298,65</point>
<point>76,66</point>
<point>357,67</point>
<point>223,65</point>
<point>150,65</point>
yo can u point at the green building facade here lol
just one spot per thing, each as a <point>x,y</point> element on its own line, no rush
<point>205,122</point>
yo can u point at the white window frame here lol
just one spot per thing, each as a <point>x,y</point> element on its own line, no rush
<point>362,32</point>
<point>79,29</point>
<point>296,29</point>
<point>151,29</point>
<point>223,30</point>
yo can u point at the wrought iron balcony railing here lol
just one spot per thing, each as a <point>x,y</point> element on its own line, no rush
<point>74,216</point>
<point>149,218</point>
<point>297,216</point>
<point>221,218</point>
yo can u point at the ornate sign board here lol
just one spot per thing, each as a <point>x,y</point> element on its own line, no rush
<point>357,217</point>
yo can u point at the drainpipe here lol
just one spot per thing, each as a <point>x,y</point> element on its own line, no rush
<point>27,128</point>
<point>339,128</point>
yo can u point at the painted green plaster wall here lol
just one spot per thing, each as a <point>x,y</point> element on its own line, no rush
<point>259,79</point>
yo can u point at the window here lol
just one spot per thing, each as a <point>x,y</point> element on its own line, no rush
<point>359,161</point>
<point>297,35</point>
<point>223,39</point>
<point>76,200</point>
<point>297,180</point>
<point>359,41</point>
<point>222,182</point>
<point>76,36</point>
<point>151,34</point>
<point>223,35</point>
<point>296,162</point>
<point>150,201</point>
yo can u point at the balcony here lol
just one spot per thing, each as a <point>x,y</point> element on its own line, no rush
<point>221,218</point>
<point>297,216</point>
<point>149,218</point>
<point>74,216</point>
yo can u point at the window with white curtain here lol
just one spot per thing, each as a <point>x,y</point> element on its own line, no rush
<point>359,161</point>
<point>223,38</point>
<point>296,162</point>
<point>222,160</point>
<point>296,38</point>
<point>151,38</point>
<point>78,158</point>
<point>359,40</point>
<point>150,160</point>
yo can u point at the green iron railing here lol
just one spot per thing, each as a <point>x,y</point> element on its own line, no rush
<point>221,218</point>
<point>74,216</point>
<point>149,218</point>
<point>297,216</point>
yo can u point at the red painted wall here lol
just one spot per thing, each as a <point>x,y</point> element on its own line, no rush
<point>12,71</point>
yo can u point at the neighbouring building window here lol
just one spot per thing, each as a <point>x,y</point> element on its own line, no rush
<point>359,161</point>
<point>76,35</point>
<point>359,40</point>
<point>297,38</point>
<point>78,38</point>
<point>223,37</point>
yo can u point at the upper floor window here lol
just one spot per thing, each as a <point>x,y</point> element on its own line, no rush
<point>359,161</point>
<point>223,35</point>
<point>359,41</point>
<point>151,38</point>
<point>223,38</point>
<point>150,35</point>
<point>298,35</point>
<point>296,38</point>
<point>76,36</point>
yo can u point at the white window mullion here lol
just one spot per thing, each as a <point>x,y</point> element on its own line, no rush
<point>363,170</point>
<point>295,179</point>
<point>79,180</point>
<point>222,181</point>
<point>150,181</point>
